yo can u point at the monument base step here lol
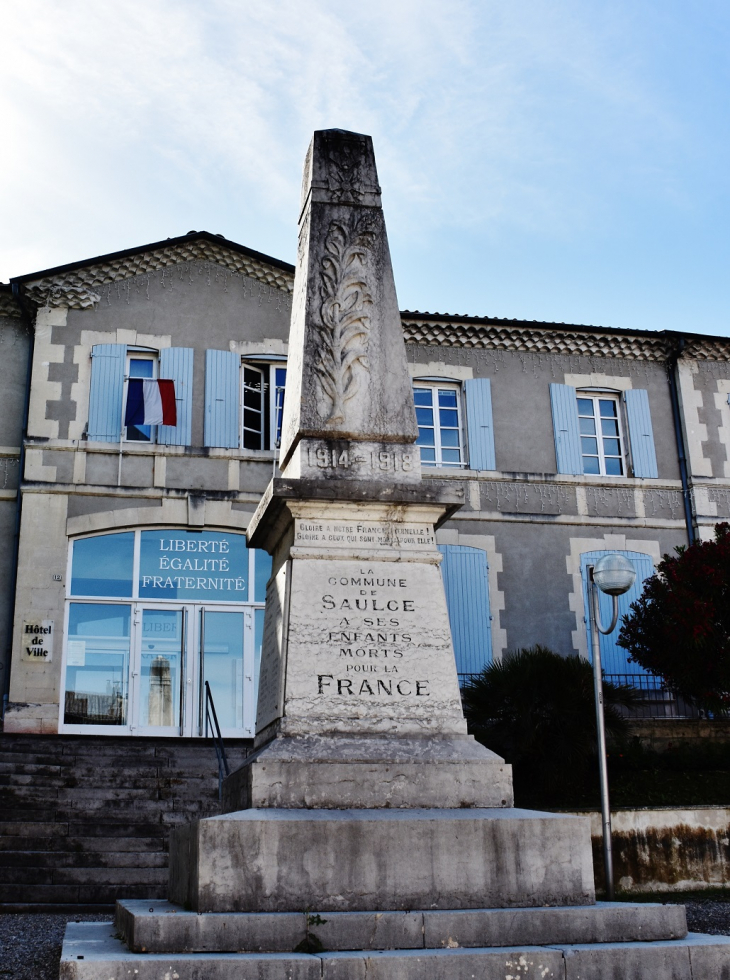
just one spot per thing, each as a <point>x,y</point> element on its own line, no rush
<point>161,927</point>
<point>365,772</point>
<point>286,860</point>
<point>92,951</point>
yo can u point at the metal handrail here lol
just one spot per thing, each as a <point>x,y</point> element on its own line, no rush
<point>220,749</point>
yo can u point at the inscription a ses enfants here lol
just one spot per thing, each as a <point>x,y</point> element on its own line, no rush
<point>372,636</point>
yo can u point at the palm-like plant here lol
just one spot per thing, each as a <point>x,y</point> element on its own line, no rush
<point>537,709</point>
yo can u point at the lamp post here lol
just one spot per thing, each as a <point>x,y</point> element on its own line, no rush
<point>614,575</point>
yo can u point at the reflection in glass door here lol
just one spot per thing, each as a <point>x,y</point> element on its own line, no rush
<point>161,668</point>
<point>226,663</point>
<point>97,664</point>
<point>141,669</point>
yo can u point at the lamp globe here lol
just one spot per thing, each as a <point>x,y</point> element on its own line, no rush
<point>614,574</point>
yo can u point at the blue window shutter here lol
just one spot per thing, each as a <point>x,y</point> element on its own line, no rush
<point>479,423</point>
<point>466,584</point>
<point>614,659</point>
<point>641,434</point>
<point>106,392</point>
<point>176,364</point>
<point>222,397</point>
<point>565,429</point>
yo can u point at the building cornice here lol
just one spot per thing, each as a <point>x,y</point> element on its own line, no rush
<point>79,287</point>
<point>546,338</point>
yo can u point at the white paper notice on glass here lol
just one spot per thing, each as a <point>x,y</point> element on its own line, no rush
<point>76,653</point>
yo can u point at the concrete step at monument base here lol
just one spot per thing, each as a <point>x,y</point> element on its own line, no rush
<point>161,927</point>
<point>283,860</point>
<point>91,950</point>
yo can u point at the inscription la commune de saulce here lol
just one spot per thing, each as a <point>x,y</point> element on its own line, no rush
<point>368,637</point>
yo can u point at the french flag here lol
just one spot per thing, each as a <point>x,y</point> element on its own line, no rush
<point>150,402</point>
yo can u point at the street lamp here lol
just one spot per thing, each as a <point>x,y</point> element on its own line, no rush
<point>614,575</point>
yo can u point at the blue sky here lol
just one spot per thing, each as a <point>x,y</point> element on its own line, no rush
<point>540,159</point>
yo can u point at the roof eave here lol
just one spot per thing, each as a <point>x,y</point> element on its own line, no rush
<point>152,247</point>
<point>492,321</point>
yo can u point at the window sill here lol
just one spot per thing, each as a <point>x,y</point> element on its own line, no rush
<point>586,480</point>
<point>151,449</point>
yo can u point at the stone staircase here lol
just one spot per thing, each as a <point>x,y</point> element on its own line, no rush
<point>85,820</point>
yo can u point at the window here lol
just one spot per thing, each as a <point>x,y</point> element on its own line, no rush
<point>600,434</point>
<point>97,664</point>
<point>263,404</point>
<point>112,366</point>
<point>593,434</point>
<point>438,413</point>
<point>139,365</point>
<point>152,616</point>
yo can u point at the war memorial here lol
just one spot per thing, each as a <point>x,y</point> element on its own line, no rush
<point>368,835</point>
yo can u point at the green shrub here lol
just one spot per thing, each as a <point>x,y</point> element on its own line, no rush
<point>537,709</point>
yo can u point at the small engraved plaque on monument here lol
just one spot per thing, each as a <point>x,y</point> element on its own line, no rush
<point>357,663</point>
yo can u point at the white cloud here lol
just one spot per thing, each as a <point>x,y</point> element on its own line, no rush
<point>130,121</point>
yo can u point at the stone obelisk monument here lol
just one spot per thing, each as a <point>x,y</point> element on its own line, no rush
<point>365,790</point>
<point>378,832</point>
<point>359,701</point>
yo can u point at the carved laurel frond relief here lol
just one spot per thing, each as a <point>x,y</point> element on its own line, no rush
<point>344,326</point>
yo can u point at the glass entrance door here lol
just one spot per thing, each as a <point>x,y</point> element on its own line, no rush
<point>226,645</point>
<point>97,665</point>
<point>159,671</point>
<point>140,669</point>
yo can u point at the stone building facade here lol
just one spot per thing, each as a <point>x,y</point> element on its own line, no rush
<point>125,580</point>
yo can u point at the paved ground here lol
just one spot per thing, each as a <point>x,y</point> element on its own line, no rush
<point>709,916</point>
<point>30,945</point>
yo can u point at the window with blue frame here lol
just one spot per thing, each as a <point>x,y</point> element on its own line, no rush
<point>603,433</point>
<point>112,365</point>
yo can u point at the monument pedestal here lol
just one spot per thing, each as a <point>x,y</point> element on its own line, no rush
<point>161,941</point>
<point>352,772</point>
<point>356,633</point>
<point>359,704</point>
<point>272,860</point>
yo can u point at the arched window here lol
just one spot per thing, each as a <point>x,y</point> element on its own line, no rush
<point>151,616</point>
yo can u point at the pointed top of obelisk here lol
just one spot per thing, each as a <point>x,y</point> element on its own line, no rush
<point>340,169</point>
<point>348,411</point>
